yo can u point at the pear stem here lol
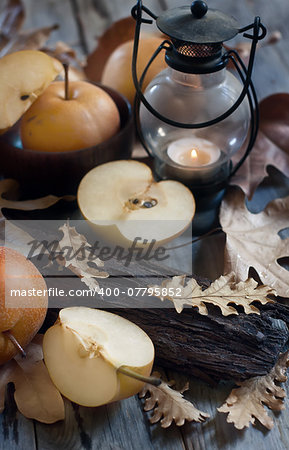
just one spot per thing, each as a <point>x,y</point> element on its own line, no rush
<point>137,376</point>
<point>66,80</point>
<point>15,342</point>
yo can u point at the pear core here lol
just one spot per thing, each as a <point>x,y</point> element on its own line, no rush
<point>122,201</point>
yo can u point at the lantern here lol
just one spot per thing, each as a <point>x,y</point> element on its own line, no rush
<point>196,114</point>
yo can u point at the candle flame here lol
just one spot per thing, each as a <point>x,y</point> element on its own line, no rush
<point>194,153</point>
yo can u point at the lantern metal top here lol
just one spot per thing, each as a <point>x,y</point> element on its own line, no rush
<point>198,24</point>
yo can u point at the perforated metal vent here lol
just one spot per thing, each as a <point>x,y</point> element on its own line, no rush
<point>198,50</point>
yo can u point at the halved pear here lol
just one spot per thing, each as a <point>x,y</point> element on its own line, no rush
<point>24,75</point>
<point>86,347</point>
<point>124,202</point>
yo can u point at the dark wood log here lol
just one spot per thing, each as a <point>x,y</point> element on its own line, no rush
<point>223,348</point>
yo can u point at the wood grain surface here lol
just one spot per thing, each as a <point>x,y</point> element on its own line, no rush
<point>123,425</point>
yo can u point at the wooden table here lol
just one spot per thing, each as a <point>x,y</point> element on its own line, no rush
<point>123,425</point>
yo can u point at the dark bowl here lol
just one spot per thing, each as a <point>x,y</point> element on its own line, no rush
<point>61,172</point>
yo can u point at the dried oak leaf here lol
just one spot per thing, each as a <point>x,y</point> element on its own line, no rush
<point>252,240</point>
<point>221,293</point>
<point>15,237</point>
<point>28,40</point>
<point>11,38</point>
<point>35,395</point>
<point>246,403</point>
<point>11,19</point>
<point>8,185</point>
<point>79,261</point>
<point>271,147</point>
<point>169,405</point>
<point>118,33</point>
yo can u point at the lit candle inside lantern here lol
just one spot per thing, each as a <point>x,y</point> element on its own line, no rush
<point>193,152</point>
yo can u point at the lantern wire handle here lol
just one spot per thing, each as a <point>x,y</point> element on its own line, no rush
<point>254,109</point>
<point>137,98</point>
<point>136,13</point>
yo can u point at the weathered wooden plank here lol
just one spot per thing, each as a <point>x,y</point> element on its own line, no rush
<point>120,425</point>
<point>96,15</point>
<point>92,21</point>
<point>44,13</point>
<point>217,434</point>
<point>16,432</point>
<point>272,68</point>
<point>80,27</point>
<point>121,8</point>
<point>272,63</point>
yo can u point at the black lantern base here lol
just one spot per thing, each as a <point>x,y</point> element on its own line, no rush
<point>207,211</point>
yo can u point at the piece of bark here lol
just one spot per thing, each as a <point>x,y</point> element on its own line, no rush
<point>236,347</point>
